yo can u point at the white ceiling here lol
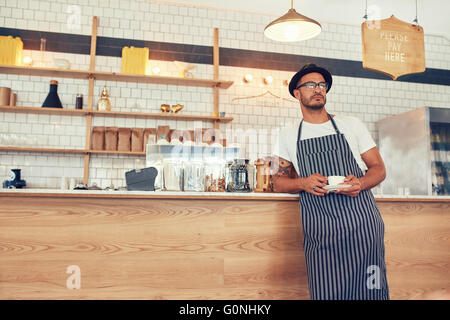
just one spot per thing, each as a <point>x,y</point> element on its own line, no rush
<point>433,15</point>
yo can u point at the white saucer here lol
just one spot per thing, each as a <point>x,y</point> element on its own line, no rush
<point>336,186</point>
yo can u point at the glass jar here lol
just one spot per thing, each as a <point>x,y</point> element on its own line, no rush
<point>263,178</point>
<point>240,176</point>
<point>215,176</point>
<point>194,176</point>
<point>159,180</point>
<point>173,175</point>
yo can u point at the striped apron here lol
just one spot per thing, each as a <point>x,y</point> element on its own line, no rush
<point>342,235</point>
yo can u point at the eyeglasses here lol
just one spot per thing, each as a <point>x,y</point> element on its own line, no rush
<point>311,85</point>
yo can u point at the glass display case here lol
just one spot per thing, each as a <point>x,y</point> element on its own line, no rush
<point>190,167</point>
<point>415,147</point>
<point>160,152</point>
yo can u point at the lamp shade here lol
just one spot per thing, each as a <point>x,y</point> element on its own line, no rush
<point>292,27</point>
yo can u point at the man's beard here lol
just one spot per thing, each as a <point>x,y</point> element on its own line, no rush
<point>316,106</point>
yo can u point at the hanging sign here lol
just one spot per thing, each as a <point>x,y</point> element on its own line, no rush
<point>393,47</point>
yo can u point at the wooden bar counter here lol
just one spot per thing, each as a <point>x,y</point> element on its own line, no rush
<point>137,245</point>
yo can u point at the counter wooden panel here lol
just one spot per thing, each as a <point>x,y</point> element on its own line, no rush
<point>194,249</point>
<point>417,247</point>
<point>150,249</point>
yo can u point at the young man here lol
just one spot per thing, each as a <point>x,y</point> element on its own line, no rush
<point>343,232</point>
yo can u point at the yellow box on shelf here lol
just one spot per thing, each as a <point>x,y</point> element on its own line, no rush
<point>11,51</point>
<point>134,60</point>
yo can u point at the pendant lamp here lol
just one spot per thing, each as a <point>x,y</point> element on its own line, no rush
<point>292,27</point>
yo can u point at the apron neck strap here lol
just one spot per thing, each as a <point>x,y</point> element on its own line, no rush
<point>333,123</point>
<point>329,117</point>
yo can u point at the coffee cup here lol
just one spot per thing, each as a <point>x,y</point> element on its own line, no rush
<point>5,94</point>
<point>334,180</point>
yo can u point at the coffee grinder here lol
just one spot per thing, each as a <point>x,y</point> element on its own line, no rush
<point>15,181</point>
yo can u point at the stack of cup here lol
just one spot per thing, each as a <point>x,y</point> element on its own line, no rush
<point>7,98</point>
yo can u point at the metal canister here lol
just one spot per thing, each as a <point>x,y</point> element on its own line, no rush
<point>79,101</point>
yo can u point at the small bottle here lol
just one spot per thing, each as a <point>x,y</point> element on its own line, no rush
<point>104,104</point>
<point>52,100</point>
<point>79,101</point>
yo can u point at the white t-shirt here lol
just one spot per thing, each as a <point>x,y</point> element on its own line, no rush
<point>354,130</point>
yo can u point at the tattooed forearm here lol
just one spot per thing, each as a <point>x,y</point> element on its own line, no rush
<point>284,177</point>
<point>285,169</point>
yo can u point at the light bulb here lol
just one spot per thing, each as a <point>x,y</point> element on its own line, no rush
<point>268,80</point>
<point>156,70</point>
<point>27,61</point>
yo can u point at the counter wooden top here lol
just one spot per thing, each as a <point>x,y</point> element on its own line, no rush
<point>191,195</point>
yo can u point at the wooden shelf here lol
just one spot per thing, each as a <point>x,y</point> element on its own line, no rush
<point>47,150</point>
<point>127,153</point>
<point>45,72</point>
<point>112,76</point>
<point>38,110</point>
<point>72,151</point>
<point>84,112</point>
<point>108,76</point>
<point>168,116</point>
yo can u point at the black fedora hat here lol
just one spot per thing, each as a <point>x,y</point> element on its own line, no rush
<point>309,68</point>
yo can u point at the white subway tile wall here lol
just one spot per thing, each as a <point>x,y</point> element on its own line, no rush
<point>257,108</point>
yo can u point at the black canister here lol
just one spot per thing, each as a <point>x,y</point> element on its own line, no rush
<point>79,101</point>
